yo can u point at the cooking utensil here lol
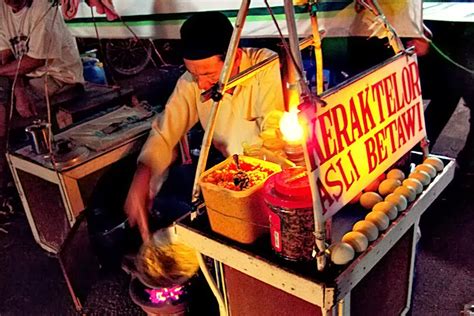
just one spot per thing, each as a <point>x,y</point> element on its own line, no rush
<point>39,136</point>
<point>241,178</point>
<point>164,261</point>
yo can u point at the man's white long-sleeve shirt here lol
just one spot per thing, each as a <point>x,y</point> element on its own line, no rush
<point>240,116</point>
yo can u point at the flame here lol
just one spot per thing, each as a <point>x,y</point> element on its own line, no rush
<point>290,127</point>
<point>158,296</point>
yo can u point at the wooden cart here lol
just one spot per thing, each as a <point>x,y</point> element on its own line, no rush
<point>378,282</point>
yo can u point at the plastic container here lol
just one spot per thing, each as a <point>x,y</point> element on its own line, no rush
<point>93,70</point>
<point>239,215</point>
<point>288,195</point>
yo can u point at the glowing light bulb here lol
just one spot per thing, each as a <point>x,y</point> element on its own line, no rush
<point>290,127</point>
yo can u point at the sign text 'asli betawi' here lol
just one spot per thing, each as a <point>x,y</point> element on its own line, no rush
<point>366,126</point>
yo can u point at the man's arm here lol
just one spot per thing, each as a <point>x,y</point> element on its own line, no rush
<point>28,64</point>
<point>138,200</point>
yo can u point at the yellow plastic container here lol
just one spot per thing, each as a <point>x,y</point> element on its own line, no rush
<point>239,215</point>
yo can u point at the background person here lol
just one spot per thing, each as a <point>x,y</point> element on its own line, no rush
<point>34,40</point>
<point>205,38</point>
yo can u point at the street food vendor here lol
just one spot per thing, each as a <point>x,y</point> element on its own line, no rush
<point>34,41</point>
<point>243,111</point>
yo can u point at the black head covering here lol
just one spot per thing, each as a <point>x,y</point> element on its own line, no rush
<point>205,34</point>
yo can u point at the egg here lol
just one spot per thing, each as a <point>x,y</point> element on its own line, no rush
<point>356,198</point>
<point>357,240</point>
<point>399,200</point>
<point>388,185</point>
<point>341,253</point>
<point>421,176</point>
<point>435,162</point>
<point>388,208</point>
<point>379,219</point>
<point>414,183</point>
<point>407,192</point>
<point>367,228</point>
<point>369,199</point>
<point>429,169</point>
<point>396,174</point>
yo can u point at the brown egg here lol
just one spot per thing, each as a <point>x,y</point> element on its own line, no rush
<point>367,228</point>
<point>379,219</point>
<point>407,192</point>
<point>429,169</point>
<point>396,174</point>
<point>357,240</point>
<point>388,185</point>
<point>388,208</point>
<point>399,200</point>
<point>435,162</point>
<point>414,183</point>
<point>341,253</point>
<point>369,199</point>
<point>421,176</point>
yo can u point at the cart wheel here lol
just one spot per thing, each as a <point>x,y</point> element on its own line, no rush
<point>128,56</point>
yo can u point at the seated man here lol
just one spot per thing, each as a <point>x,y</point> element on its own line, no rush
<point>205,38</point>
<point>38,54</point>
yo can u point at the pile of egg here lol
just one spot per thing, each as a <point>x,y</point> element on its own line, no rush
<point>386,197</point>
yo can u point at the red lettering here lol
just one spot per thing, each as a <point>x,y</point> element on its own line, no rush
<point>415,80</point>
<point>381,148</point>
<point>399,105</point>
<point>355,122</point>
<point>340,127</point>
<point>406,84</point>
<point>328,143</point>
<point>391,128</point>
<point>377,91</point>
<point>365,109</point>
<point>371,156</point>
<point>334,183</point>
<point>388,87</point>
<point>401,134</point>
<point>409,122</point>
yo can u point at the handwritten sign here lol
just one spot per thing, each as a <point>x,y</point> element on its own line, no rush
<point>367,125</point>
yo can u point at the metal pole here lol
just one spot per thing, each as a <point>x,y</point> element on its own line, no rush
<point>320,230</point>
<point>222,86</point>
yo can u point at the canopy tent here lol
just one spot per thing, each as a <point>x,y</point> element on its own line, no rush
<point>162,19</point>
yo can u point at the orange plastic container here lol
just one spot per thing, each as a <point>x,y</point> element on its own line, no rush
<point>239,215</point>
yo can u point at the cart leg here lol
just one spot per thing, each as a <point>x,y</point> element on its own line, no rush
<point>412,266</point>
<point>344,306</point>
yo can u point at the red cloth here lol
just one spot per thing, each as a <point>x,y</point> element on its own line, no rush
<point>104,7</point>
<point>69,8</point>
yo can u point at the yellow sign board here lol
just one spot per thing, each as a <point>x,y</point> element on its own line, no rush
<point>367,125</point>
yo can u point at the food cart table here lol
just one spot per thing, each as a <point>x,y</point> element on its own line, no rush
<point>54,197</point>
<point>255,282</point>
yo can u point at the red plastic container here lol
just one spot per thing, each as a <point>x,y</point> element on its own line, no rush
<point>288,196</point>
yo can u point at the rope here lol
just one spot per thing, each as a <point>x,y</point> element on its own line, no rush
<point>449,59</point>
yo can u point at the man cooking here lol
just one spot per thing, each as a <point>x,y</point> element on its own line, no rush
<point>34,41</point>
<point>242,115</point>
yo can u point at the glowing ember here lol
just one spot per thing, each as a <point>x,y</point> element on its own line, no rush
<point>158,296</point>
<point>290,127</point>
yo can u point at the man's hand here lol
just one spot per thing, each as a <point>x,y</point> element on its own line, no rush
<point>137,203</point>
